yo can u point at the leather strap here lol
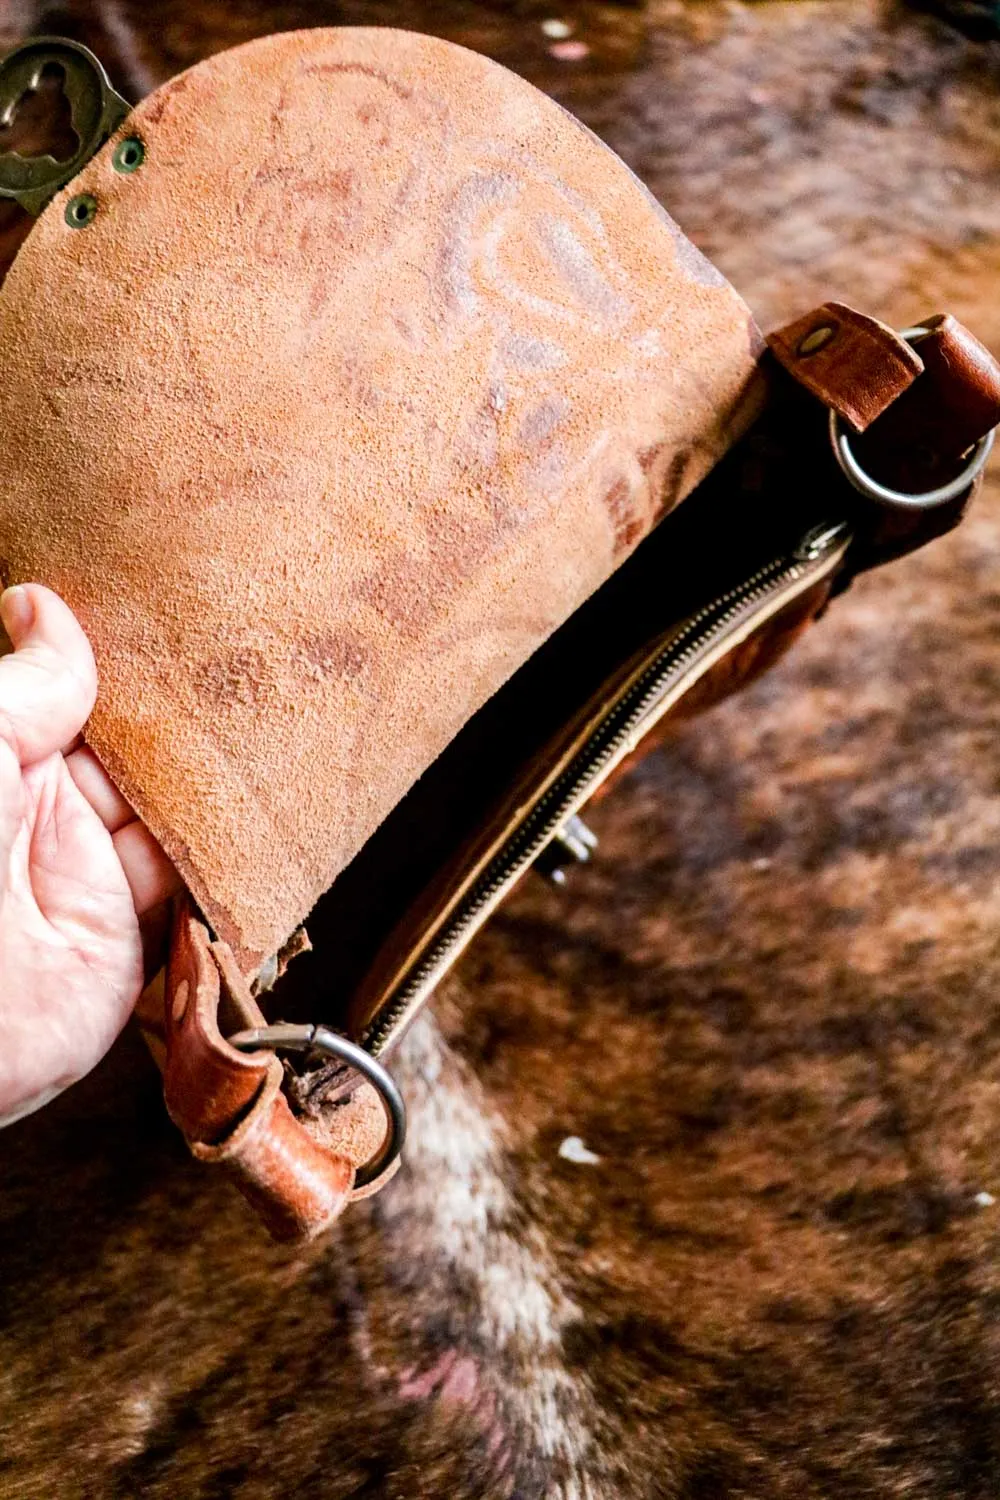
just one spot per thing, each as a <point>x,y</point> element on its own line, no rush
<point>921,440</point>
<point>297,1173</point>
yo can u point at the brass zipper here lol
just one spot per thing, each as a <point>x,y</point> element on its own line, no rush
<point>651,689</point>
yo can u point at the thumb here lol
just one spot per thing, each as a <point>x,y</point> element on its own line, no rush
<point>49,682</point>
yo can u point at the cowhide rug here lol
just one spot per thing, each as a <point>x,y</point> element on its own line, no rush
<point>767,1019</point>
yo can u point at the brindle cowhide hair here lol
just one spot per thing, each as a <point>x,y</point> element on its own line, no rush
<point>702,1196</point>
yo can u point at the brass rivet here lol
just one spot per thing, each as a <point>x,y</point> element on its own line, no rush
<point>81,210</point>
<point>129,155</point>
<point>816,340</point>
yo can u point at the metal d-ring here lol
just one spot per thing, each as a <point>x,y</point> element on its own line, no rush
<point>866,485</point>
<point>926,499</point>
<point>322,1039</point>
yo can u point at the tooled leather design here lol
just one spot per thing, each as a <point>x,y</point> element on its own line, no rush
<point>374,335</point>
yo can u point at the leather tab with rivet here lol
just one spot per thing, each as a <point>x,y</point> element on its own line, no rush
<point>854,364</point>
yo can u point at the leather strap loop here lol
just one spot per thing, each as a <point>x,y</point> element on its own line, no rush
<point>917,401</point>
<point>230,1105</point>
<point>922,441</point>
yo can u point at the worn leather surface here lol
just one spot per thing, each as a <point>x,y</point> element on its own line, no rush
<point>369,375</point>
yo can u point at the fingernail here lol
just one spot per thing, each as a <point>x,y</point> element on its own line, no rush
<point>17,612</point>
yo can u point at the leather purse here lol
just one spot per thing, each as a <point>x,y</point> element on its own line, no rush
<point>352,391</point>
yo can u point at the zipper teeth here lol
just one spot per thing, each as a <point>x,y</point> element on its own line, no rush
<point>537,829</point>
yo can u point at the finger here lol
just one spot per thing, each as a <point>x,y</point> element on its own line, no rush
<point>99,790</point>
<point>49,682</point>
<point>11,809</point>
<point>148,871</point>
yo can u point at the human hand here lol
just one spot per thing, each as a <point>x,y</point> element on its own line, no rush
<point>78,871</point>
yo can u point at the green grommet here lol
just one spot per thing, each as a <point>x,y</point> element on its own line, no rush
<point>81,210</point>
<point>129,155</point>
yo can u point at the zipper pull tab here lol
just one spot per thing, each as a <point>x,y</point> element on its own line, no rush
<point>821,540</point>
<point>96,111</point>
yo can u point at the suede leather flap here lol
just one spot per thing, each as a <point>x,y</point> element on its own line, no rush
<point>351,394</point>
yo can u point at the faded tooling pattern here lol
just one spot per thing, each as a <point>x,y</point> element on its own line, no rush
<point>354,391</point>
<point>770,1008</point>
